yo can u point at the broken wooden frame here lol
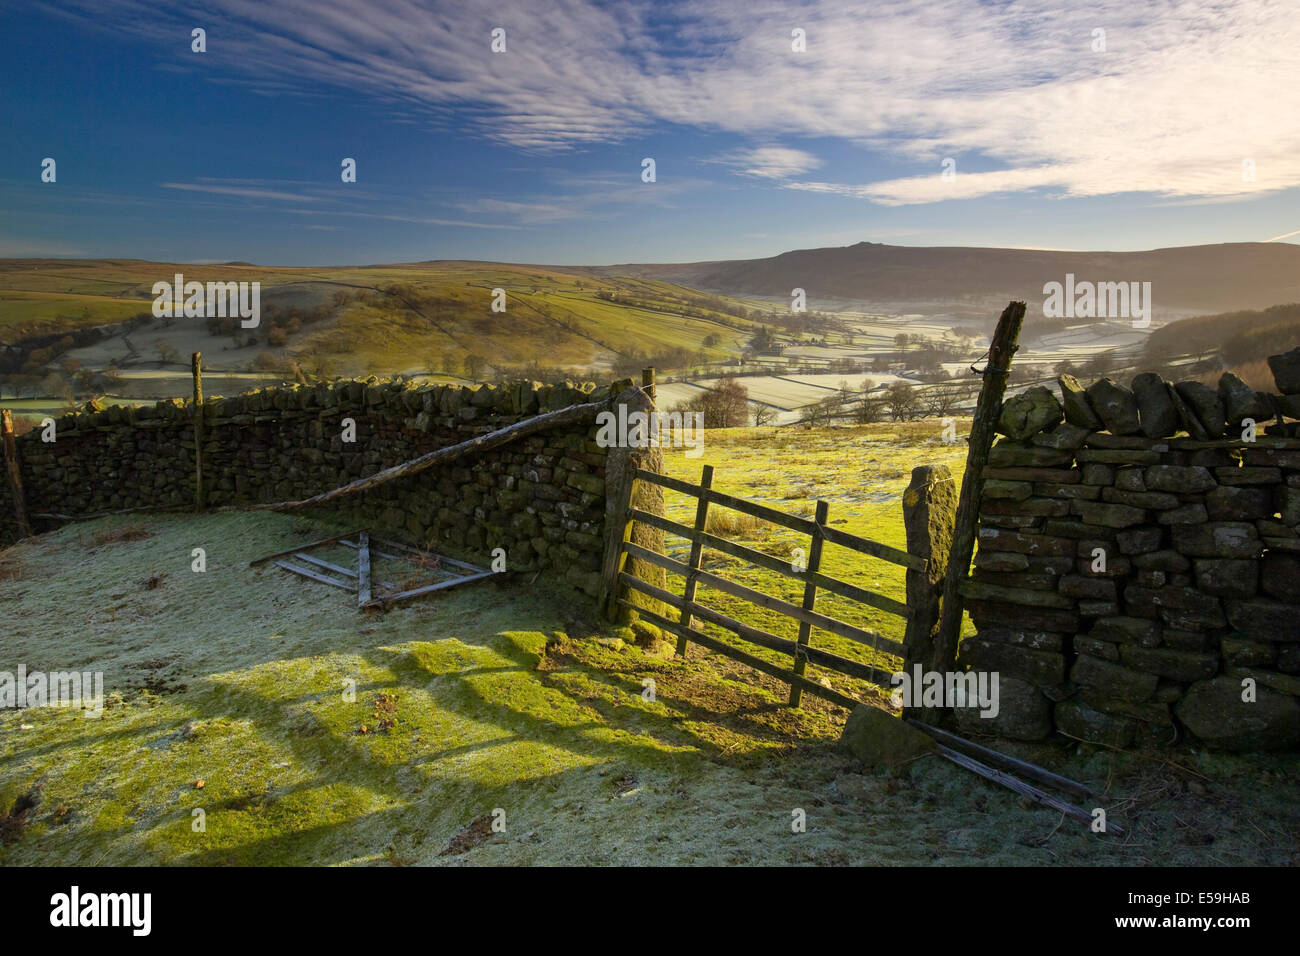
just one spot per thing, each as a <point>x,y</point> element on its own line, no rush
<point>963,752</point>
<point>371,590</point>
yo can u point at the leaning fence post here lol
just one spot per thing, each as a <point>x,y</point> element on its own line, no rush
<point>809,599</point>
<point>15,473</point>
<point>986,416</point>
<point>196,367</point>
<point>929,507</point>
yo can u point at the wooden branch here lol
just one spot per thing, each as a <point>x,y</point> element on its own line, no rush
<point>565,416</point>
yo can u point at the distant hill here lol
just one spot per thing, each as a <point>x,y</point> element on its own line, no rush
<point>1216,278</point>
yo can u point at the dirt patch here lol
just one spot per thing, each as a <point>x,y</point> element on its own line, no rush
<point>477,833</point>
<point>14,820</point>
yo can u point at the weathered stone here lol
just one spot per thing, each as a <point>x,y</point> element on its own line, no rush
<point>1041,507</point>
<point>997,539</point>
<point>1286,371</point>
<point>1043,669</point>
<point>1076,529</point>
<point>879,739</point>
<point>1179,479</point>
<point>1039,640</point>
<point>1008,455</point>
<point>1205,404</point>
<point>1098,474</point>
<point>1248,476</point>
<point>1262,619</point>
<point>1243,652</point>
<point>1078,409</point>
<point>1061,475</point>
<point>1117,456</point>
<point>1086,586</point>
<point>1280,576</point>
<point>999,614</point>
<point>1184,640</point>
<point>1077,719</point>
<point>1214,711</point>
<point>1240,401</point>
<point>1028,413</point>
<point>1063,436</point>
<point>1178,607</point>
<point>1001,561</point>
<point>979,590</point>
<point>1130,479</point>
<point>1156,412</point>
<point>1238,504</point>
<point>1095,648</point>
<point>1227,577</point>
<point>1174,664</point>
<point>1140,540</point>
<point>1114,680</point>
<point>1223,539</point>
<point>1187,416</point>
<point>1159,500</point>
<point>1007,490</point>
<point>1193,513</point>
<point>1105,440</point>
<point>1068,492</point>
<point>1108,515</point>
<point>1116,407</point>
<point>1165,560</point>
<point>1126,630</point>
<point>1091,608</point>
<point>1023,713</point>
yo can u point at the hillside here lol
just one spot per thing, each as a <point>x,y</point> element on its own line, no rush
<point>418,318</point>
<point>1212,278</point>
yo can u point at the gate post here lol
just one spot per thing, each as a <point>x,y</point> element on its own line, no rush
<point>623,493</point>
<point>987,412</point>
<point>929,510</point>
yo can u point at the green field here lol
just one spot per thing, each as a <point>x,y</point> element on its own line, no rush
<point>395,319</point>
<point>513,701</point>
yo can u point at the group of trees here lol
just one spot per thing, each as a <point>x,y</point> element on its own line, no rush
<point>726,405</point>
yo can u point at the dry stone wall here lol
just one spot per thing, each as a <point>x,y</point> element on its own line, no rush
<point>542,498</point>
<point>1137,580</point>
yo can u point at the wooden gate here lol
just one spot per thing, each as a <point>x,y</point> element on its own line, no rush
<point>801,651</point>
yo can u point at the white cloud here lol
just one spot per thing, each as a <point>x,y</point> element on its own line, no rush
<point>770,162</point>
<point>1186,90</point>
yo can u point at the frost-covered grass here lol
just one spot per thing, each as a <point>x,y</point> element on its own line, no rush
<point>501,695</point>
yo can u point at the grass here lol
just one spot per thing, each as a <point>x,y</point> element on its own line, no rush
<point>861,472</point>
<point>253,717</point>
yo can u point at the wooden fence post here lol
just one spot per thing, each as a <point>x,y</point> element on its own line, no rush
<point>15,473</point>
<point>987,412</point>
<point>809,600</point>
<point>697,553</point>
<point>929,507</point>
<point>196,367</point>
<point>648,382</point>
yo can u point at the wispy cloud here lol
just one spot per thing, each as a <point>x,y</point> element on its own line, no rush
<point>770,162</point>
<point>1183,93</point>
<point>247,192</point>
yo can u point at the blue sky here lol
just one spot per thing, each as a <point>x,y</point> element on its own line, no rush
<point>535,154</point>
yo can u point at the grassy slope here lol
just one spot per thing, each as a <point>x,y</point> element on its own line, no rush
<point>38,296</point>
<point>508,697</point>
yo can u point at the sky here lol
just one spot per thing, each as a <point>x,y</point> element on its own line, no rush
<point>772,126</point>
